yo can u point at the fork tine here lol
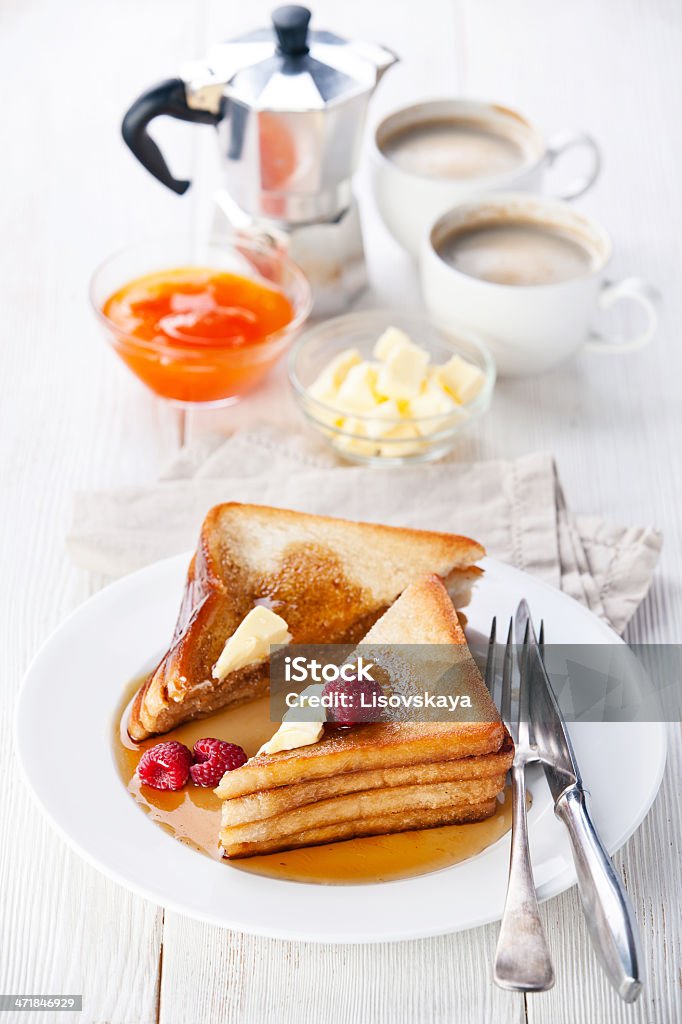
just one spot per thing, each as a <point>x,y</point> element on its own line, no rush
<point>505,700</point>
<point>523,715</point>
<point>541,639</point>
<point>489,677</point>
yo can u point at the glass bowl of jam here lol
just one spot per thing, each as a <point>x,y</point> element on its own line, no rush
<point>200,324</point>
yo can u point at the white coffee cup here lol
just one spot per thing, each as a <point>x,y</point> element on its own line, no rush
<point>531,328</point>
<point>409,203</point>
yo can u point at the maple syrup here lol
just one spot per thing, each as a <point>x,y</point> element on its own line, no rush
<point>192,815</point>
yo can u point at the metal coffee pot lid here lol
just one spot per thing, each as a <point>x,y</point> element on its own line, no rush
<point>287,67</point>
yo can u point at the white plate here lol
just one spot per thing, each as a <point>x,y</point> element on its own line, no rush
<point>65,718</point>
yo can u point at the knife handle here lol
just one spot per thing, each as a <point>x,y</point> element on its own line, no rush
<point>610,919</point>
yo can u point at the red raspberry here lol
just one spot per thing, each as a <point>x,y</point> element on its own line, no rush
<point>165,766</point>
<point>358,704</point>
<point>212,758</point>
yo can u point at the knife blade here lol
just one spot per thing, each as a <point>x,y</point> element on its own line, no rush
<point>550,736</point>
<point>609,916</point>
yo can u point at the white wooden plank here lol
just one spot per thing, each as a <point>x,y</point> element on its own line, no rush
<point>71,418</point>
<point>210,974</point>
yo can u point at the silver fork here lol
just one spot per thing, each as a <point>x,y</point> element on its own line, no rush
<point>522,959</point>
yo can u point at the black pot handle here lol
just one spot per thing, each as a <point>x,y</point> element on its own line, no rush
<point>168,98</point>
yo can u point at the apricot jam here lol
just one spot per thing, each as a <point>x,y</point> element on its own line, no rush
<point>196,334</point>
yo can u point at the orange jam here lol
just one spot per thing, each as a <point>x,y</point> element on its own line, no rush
<point>195,334</point>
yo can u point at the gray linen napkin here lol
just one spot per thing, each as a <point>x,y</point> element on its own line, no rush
<point>515,508</point>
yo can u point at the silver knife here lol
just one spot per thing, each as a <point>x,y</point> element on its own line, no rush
<point>609,915</point>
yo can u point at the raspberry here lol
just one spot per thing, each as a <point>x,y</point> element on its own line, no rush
<point>359,707</point>
<point>165,766</point>
<point>212,758</point>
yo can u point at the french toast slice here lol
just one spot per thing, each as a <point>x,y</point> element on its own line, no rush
<point>354,807</point>
<point>268,803</point>
<point>330,579</point>
<point>376,746</point>
<point>381,777</point>
<point>422,614</point>
<point>378,825</point>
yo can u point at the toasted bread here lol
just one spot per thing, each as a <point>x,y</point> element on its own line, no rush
<point>368,804</point>
<point>377,746</point>
<point>423,613</point>
<point>267,803</point>
<point>330,579</point>
<point>380,777</point>
<point>379,825</point>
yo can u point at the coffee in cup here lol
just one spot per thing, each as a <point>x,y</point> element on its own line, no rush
<point>527,274</point>
<point>457,148</point>
<point>429,156</point>
<point>521,252</point>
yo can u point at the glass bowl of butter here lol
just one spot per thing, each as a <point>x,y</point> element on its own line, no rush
<point>390,387</point>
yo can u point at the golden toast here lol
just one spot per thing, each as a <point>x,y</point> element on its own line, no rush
<point>330,579</point>
<point>355,807</point>
<point>423,610</point>
<point>377,746</point>
<point>380,825</point>
<point>268,803</point>
<point>380,777</point>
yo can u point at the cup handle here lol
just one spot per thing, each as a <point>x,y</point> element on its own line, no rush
<point>631,289</point>
<point>561,144</point>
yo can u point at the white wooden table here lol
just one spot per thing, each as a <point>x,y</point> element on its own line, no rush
<point>73,419</point>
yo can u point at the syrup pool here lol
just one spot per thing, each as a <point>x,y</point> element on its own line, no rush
<point>192,815</point>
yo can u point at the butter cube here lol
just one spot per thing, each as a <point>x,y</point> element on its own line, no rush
<point>384,417</point>
<point>359,444</point>
<point>250,642</point>
<point>403,373</point>
<point>292,735</point>
<point>334,374</point>
<point>357,393</point>
<point>301,726</point>
<point>326,386</point>
<point>320,393</point>
<point>461,378</point>
<point>393,446</point>
<point>389,340</point>
<point>433,401</point>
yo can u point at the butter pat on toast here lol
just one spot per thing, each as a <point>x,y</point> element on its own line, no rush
<point>381,777</point>
<point>329,579</point>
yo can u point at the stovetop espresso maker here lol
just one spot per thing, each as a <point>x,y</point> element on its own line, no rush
<point>289,106</point>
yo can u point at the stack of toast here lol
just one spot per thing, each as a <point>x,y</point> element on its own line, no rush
<point>332,581</point>
<point>378,778</point>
